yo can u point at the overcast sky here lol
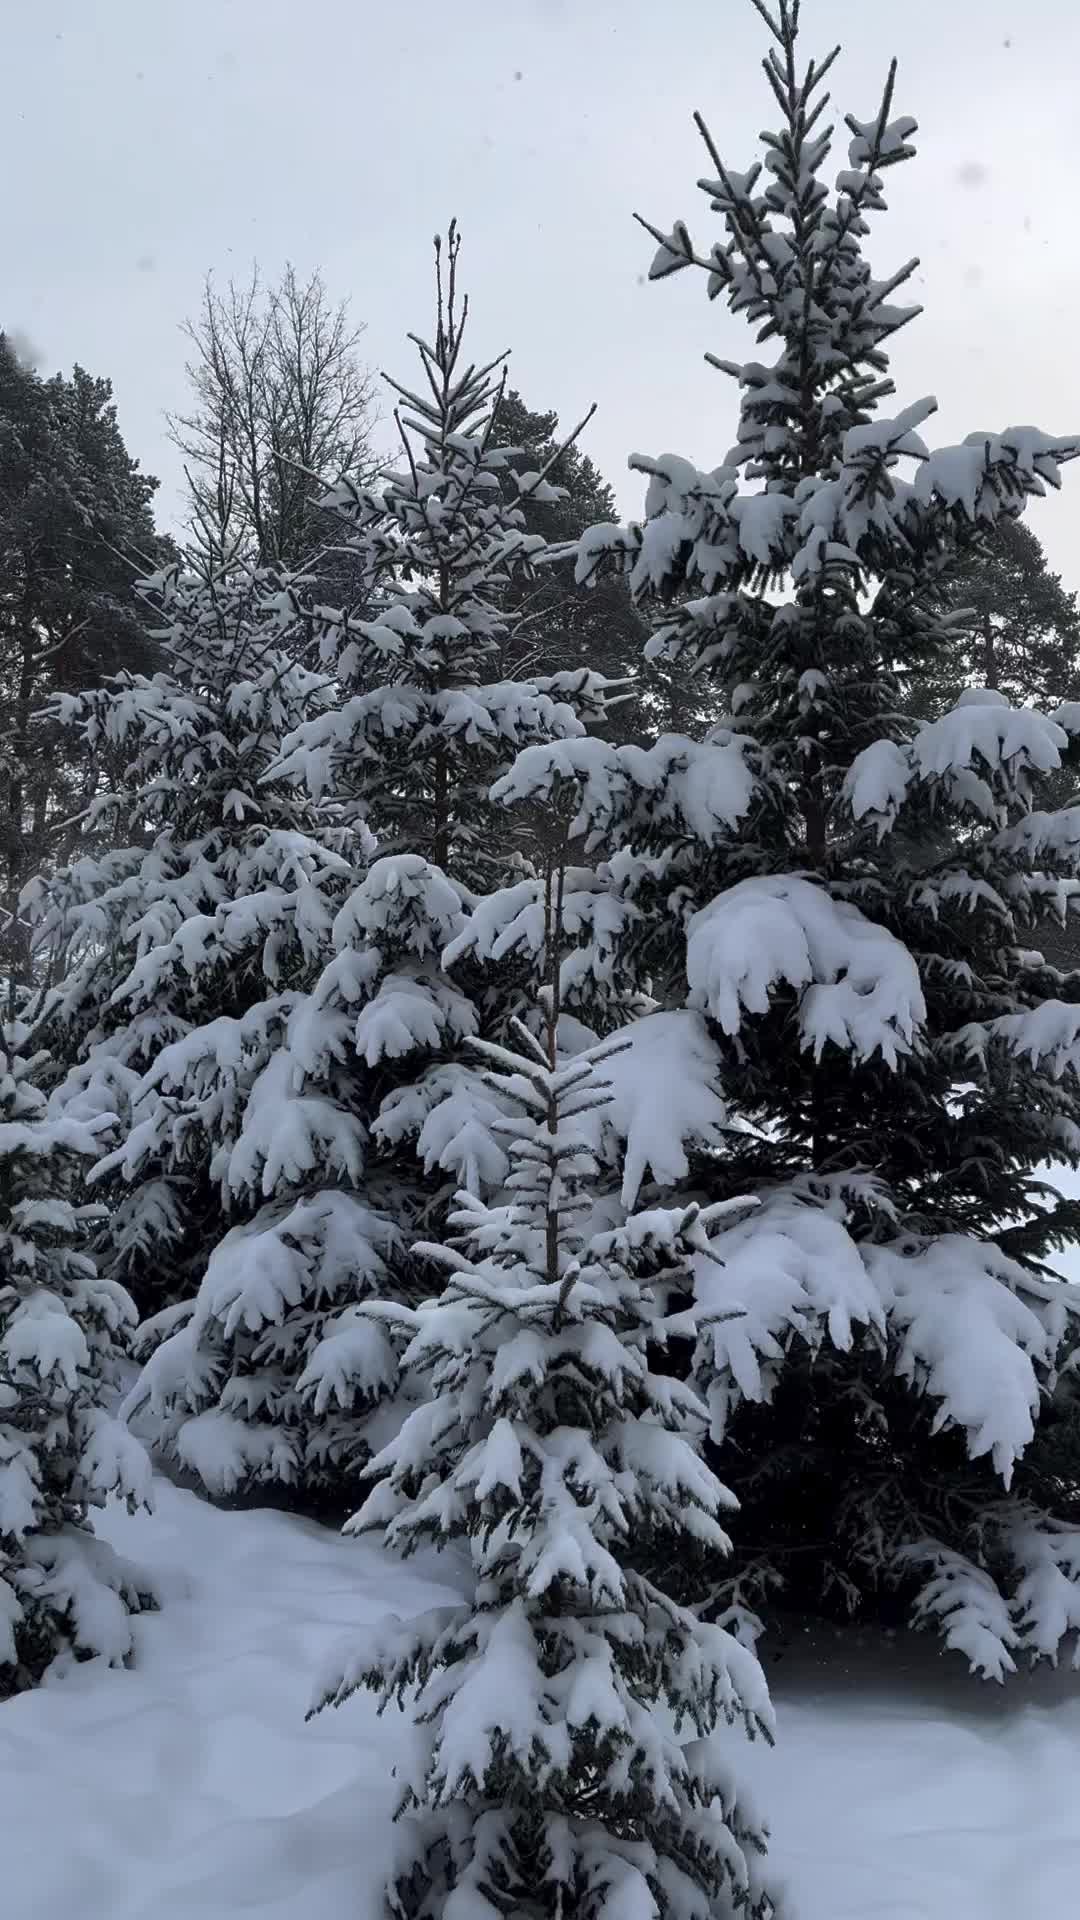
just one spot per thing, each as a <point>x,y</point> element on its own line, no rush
<point>145,141</point>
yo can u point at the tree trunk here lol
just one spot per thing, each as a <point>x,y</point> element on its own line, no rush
<point>991,674</point>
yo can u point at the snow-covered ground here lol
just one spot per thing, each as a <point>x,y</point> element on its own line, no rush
<point>191,1789</point>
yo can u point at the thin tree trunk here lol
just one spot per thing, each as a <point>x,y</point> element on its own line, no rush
<point>991,673</point>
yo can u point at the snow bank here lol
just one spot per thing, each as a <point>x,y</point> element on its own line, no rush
<point>191,1789</point>
<point>902,1789</point>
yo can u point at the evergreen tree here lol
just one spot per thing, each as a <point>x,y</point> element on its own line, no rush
<point>555,628</point>
<point>414,743</point>
<point>63,1330</point>
<point>1023,636</point>
<point>569,1751</point>
<point>357,1086</point>
<point>178,940</point>
<point>848,898</point>
<point>75,528</point>
<point>238,1191</point>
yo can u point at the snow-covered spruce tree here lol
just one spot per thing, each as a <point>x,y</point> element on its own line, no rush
<point>261,1381</point>
<point>199,887</point>
<point>849,903</point>
<point>63,1330</point>
<point>414,744</point>
<point>234,1188</point>
<point>570,1752</point>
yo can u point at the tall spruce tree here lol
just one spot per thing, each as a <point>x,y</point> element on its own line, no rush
<point>424,726</point>
<point>849,905</point>
<point>63,1331</point>
<point>257,1383</point>
<point>570,1752</point>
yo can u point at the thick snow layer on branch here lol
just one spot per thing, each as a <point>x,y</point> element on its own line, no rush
<point>405,895</point>
<point>1049,837</point>
<point>858,986</point>
<point>412,1013</point>
<point>966,1605</point>
<point>963,476</point>
<point>1046,1035</point>
<point>454,1119</point>
<point>791,1272</point>
<point>877,782</point>
<point>990,734</point>
<point>960,1321</point>
<point>702,788</point>
<point>665,1097</point>
<point>514,920</point>
<point>287,1135</point>
<point>261,1270</point>
<point>982,750</point>
<point>974,1335</point>
<point>702,526</point>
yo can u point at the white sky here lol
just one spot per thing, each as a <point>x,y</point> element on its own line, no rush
<point>145,141</point>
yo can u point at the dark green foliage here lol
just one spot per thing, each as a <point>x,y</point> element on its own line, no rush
<point>555,629</point>
<point>1024,634</point>
<point>75,529</point>
<point>562,630</point>
<point>895,1330</point>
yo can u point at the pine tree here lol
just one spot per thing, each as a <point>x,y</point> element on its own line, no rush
<point>847,897</point>
<point>1023,636</point>
<point>63,1330</point>
<point>75,527</point>
<point>554,628</point>
<point>569,1753</point>
<point>187,955</point>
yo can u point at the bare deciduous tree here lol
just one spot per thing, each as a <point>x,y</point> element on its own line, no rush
<point>281,401</point>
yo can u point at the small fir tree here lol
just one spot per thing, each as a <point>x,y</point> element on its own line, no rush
<point>446,549</point>
<point>569,1750</point>
<point>850,900</point>
<point>63,1331</point>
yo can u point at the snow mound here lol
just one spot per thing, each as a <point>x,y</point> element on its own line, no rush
<point>191,1786</point>
<point>901,1788</point>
